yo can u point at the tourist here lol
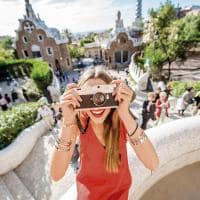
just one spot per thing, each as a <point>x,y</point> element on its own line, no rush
<point>45,113</point>
<point>148,109</point>
<point>196,109</point>
<point>104,172</point>
<point>3,103</point>
<point>162,106</point>
<point>185,100</point>
<point>161,84</point>
<point>157,93</point>
<point>168,90</point>
<point>14,87</point>
<point>8,99</point>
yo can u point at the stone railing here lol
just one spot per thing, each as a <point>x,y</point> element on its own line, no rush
<point>138,75</point>
<point>177,144</point>
<point>19,149</point>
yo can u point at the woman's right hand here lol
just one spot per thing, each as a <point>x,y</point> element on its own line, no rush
<point>68,102</point>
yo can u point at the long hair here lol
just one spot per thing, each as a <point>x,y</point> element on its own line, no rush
<point>111,124</point>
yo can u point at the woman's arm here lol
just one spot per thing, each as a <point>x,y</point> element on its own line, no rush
<point>61,159</point>
<point>145,151</point>
<point>67,135</point>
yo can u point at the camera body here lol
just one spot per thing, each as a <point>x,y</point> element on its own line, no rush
<point>98,96</point>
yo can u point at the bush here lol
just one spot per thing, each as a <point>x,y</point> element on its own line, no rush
<point>14,121</point>
<point>39,71</point>
<point>42,75</point>
<point>180,87</point>
<point>32,91</point>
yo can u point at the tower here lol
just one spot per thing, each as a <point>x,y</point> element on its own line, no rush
<point>138,11</point>
<point>119,27</point>
<point>29,11</point>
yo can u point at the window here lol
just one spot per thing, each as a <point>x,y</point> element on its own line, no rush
<point>125,56</point>
<point>49,51</point>
<point>50,65</point>
<point>40,38</point>
<point>122,40</point>
<point>25,52</point>
<point>29,27</point>
<point>25,39</point>
<point>118,56</point>
<point>36,54</point>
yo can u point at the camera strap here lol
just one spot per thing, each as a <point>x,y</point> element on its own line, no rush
<point>82,130</point>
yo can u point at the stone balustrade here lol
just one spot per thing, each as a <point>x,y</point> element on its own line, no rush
<point>19,149</point>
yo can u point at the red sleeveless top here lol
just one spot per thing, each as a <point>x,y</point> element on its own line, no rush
<point>93,181</point>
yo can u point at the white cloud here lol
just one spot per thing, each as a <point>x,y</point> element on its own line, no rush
<point>79,15</point>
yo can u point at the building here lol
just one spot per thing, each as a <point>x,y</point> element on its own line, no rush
<point>117,48</point>
<point>191,10</point>
<point>36,40</point>
<point>93,50</point>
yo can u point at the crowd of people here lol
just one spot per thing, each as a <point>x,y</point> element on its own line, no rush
<point>155,109</point>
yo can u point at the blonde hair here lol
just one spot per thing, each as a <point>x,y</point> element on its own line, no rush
<point>112,123</point>
<point>151,94</point>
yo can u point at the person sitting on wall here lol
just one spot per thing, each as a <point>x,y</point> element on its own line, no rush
<point>3,103</point>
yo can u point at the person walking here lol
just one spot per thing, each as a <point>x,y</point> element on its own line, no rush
<point>3,103</point>
<point>185,100</point>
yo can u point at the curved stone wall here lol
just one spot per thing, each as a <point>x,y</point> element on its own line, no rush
<point>177,144</point>
<point>183,184</point>
<point>16,152</point>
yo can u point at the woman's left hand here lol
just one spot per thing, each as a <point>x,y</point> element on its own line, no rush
<point>124,95</point>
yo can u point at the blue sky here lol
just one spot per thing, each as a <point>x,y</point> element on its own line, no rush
<point>76,15</point>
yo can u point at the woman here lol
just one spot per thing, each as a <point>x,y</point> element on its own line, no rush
<point>162,107</point>
<point>104,173</point>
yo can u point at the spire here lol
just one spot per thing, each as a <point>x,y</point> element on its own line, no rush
<point>119,27</point>
<point>138,11</point>
<point>29,11</point>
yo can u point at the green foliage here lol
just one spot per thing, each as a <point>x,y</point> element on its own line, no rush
<point>6,54</point>
<point>41,74</point>
<point>32,90</point>
<point>39,71</point>
<point>175,36</point>
<point>12,122</point>
<point>86,41</point>
<point>6,42</point>
<point>76,52</point>
<point>180,87</point>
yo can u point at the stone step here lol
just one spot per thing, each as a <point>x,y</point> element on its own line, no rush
<point>4,192</point>
<point>16,187</point>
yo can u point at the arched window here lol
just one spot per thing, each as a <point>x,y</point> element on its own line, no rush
<point>49,51</point>
<point>40,38</point>
<point>25,39</point>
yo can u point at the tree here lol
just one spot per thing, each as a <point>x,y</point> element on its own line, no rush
<point>6,42</point>
<point>6,54</point>
<point>174,37</point>
<point>76,52</point>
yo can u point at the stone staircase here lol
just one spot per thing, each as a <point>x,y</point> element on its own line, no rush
<point>31,179</point>
<point>13,188</point>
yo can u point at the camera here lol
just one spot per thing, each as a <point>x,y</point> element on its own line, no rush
<point>98,96</point>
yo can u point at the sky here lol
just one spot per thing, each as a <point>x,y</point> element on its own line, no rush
<point>76,15</point>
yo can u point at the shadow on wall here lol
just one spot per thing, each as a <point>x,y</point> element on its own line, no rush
<point>183,184</point>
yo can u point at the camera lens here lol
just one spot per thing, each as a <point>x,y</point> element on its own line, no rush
<point>99,99</point>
